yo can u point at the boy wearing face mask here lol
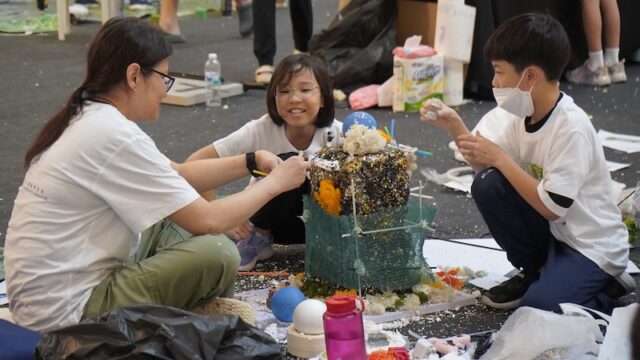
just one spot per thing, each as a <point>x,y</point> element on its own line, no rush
<point>543,187</point>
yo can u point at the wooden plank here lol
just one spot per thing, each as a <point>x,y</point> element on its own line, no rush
<point>187,92</point>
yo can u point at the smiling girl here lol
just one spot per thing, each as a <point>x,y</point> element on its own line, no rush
<point>300,118</point>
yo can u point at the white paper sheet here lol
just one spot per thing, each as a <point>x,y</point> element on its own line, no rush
<point>615,166</point>
<point>443,253</point>
<point>454,29</point>
<point>621,142</point>
<point>617,342</point>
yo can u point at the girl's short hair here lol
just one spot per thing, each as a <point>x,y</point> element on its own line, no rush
<point>291,66</point>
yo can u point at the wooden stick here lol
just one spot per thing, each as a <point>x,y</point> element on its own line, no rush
<point>263,273</point>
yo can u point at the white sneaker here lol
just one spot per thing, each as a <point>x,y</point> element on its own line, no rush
<point>617,73</point>
<point>583,75</point>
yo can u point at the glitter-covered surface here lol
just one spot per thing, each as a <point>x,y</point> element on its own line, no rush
<point>381,179</point>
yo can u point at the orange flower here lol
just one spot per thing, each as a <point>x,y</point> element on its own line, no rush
<point>346,292</point>
<point>328,196</point>
<point>381,355</point>
<point>450,278</point>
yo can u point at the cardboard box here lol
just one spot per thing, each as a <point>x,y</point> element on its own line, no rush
<point>416,18</point>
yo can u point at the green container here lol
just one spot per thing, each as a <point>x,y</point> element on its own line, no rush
<point>385,260</point>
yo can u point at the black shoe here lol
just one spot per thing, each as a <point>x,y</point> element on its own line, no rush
<point>620,286</point>
<point>508,294</point>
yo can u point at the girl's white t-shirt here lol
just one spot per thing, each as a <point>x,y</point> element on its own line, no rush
<point>264,134</point>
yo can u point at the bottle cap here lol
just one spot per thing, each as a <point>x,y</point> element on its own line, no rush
<point>213,56</point>
<point>341,304</point>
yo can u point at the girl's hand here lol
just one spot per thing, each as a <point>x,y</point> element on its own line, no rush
<point>434,112</point>
<point>480,150</point>
<point>266,161</point>
<point>241,232</point>
<point>289,174</point>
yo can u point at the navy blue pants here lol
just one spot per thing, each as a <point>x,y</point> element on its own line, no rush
<point>565,274</point>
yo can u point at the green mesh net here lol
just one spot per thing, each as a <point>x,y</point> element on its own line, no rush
<point>383,252</point>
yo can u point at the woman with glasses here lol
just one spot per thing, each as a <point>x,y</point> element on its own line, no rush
<point>300,117</point>
<point>103,219</point>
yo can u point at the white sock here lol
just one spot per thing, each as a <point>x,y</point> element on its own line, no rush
<point>611,56</point>
<point>596,60</point>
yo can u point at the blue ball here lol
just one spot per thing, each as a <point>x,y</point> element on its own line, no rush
<point>284,301</point>
<point>358,117</point>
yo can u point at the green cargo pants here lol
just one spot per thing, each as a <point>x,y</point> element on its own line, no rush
<point>171,267</point>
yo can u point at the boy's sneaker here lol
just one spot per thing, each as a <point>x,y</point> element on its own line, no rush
<point>254,249</point>
<point>583,75</point>
<point>230,307</point>
<point>620,286</point>
<point>508,294</point>
<point>617,73</point>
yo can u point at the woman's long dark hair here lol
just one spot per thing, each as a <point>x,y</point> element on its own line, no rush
<point>119,42</point>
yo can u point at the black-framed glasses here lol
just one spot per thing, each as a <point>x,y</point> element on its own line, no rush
<point>166,79</point>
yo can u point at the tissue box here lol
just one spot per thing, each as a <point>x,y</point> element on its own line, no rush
<point>417,80</point>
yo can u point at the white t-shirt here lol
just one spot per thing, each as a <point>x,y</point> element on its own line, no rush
<point>566,155</point>
<point>78,211</point>
<point>264,134</point>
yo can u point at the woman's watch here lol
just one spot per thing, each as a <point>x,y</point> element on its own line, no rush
<point>252,166</point>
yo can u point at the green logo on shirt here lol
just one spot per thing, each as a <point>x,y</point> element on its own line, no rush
<point>536,171</point>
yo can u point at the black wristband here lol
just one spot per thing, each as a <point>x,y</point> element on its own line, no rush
<point>252,166</point>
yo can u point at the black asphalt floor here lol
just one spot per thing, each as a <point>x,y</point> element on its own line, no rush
<point>39,73</point>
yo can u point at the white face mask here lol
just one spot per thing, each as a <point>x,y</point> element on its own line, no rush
<point>514,100</point>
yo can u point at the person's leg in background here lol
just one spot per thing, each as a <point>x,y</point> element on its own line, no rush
<point>245,18</point>
<point>301,14</point>
<point>518,228</point>
<point>171,267</point>
<point>169,22</point>
<point>264,38</point>
<point>611,28</point>
<point>600,18</point>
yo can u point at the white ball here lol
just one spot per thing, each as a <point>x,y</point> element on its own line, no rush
<point>307,317</point>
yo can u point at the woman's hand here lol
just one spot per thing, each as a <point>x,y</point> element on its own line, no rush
<point>480,150</point>
<point>241,232</point>
<point>266,161</point>
<point>289,174</point>
<point>434,112</point>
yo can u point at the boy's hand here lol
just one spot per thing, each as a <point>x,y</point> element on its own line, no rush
<point>479,150</point>
<point>434,112</point>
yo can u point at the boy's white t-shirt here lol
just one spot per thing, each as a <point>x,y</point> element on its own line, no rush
<point>78,212</point>
<point>264,134</point>
<point>566,155</point>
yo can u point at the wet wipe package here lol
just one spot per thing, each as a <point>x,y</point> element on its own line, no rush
<point>158,332</point>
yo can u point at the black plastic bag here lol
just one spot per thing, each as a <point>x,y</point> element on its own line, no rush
<point>158,332</point>
<point>357,45</point>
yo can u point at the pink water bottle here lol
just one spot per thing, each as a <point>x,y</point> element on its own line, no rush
<point>343,329</point>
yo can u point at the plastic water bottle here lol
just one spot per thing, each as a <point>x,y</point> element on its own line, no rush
<point>212,81</point>
<point>343,328</point>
